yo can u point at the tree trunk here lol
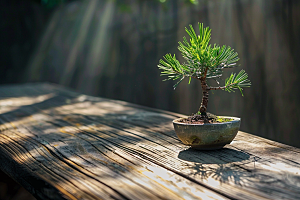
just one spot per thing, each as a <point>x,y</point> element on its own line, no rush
<point>204,103</point>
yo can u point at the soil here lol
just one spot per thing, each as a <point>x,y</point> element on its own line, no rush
<point>202,119</point>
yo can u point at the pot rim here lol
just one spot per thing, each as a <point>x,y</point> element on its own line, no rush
<point>235,119</point>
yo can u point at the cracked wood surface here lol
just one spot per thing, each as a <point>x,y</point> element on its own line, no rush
<point>60,144</point>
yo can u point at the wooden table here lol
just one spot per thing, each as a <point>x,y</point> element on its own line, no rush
<point>60,144</point>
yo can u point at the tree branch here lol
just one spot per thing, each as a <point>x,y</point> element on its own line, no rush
<point>216,88</point>
<point>219,88</point>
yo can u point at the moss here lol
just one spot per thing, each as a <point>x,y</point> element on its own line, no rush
<point>221,119</point>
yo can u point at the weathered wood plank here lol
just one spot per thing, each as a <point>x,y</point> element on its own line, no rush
<point>94,148</point>
<point>80,165</point>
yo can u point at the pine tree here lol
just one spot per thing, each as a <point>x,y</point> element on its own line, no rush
<point>203,61</point>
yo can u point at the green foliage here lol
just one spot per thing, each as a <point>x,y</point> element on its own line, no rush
<point>237,81</point>
<point>202,60</point>
<point>52,3</point>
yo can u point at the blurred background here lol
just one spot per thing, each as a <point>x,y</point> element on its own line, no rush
<point>111,48</point>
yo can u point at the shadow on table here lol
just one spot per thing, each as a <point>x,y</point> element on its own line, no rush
<point>217,164</point>
<point>11,190</point>
<point>221,156</point>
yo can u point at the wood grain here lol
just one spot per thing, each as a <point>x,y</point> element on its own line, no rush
<point>60,144</point>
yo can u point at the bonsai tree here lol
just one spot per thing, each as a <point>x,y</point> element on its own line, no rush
<point>203,61</point>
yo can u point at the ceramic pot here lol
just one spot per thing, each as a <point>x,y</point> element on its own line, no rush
<point>207,136</point>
